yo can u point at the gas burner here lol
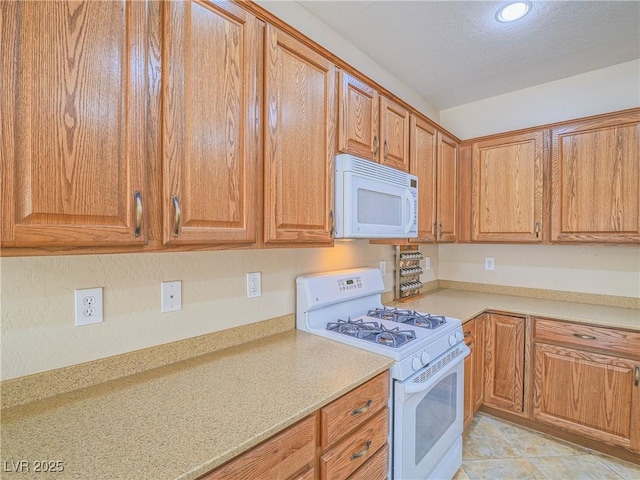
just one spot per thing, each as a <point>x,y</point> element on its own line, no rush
<point>372,332</point>
<point>409,317</point>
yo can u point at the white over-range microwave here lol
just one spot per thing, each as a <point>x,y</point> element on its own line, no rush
<point>374,201</point>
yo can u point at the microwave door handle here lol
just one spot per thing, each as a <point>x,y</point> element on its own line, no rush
<point>408,198</point>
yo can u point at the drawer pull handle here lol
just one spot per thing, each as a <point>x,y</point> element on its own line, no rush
<point>636,378</point>
<point>362,409</point>
<point>467,334</point>
<point>362,452</point>
<point>584,337</point>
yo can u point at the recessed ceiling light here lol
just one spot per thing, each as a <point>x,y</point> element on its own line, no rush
<point>512,11</point>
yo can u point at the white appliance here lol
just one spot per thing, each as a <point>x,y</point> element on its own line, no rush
<point>427,378</point>
<point>374,201</point>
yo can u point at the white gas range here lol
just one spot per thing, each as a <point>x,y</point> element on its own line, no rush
<point>426,407</point>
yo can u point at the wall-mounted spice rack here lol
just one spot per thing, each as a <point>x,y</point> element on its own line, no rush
<point>407,273</point>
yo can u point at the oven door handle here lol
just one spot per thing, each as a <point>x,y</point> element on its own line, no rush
<point>410,387</point>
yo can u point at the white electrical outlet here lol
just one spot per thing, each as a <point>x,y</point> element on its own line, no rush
<point>254,287</point>
<point>171,296</point>
<point>427,263</point>
<point>383,267</point>
<point>489,263</point>
<point>88,306</point>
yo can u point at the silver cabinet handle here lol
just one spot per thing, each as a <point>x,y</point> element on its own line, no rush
<point>177,218</point>
<point>362,409</point>
<point>584,337</point>
<point>537,229</point>
<point>138,198</point>
<point>333,223</point>
<point>362,452</point>
<point>440,225</point>
<point>376,146</point>
<point>386,149</point>
<point>636,377</point>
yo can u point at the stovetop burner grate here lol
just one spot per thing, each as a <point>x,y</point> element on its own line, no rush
<point>372,332</point>
<point>408,317</point>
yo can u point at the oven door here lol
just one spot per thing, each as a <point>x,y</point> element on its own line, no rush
<point>428,417</point>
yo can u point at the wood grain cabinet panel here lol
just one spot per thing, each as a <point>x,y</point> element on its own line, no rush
<point>504,362</point>
<point>477,384</point>
<point>349,411</point>
<point>469,370</point>
<point>300,142</point>
<point>394,132</point>
<point>211,105</point>
<point>595,173</point>
<point>591,394</point>
<point>73,102</point>
<point>423,156</point>
<point>507,177</point>
<point>289,454</point>
<point>375,468</point>
<point>447,210</point>
<point>356,449</point>
<point>358,105</point>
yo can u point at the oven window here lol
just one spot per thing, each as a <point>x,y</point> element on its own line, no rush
<point>435,413</point>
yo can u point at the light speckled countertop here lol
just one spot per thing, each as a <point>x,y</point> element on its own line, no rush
<point>183,420</point>
<point>466,305</point>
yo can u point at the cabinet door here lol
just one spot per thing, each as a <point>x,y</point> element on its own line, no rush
<point>300,142</point>
<point>358,116</point>
<point>591,394</point>
<point>506,200</point>
<point>478,373</point>
<point>595,172</point>
<point>447,210</point>
<point>504,362</point>
<point>73,102</point>
<point>394,131</point>
<point>211,106</point>
<point>423,155</point>
<point>469,371</point>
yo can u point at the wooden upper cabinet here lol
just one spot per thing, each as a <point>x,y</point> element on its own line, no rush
<point>423,155</point>
<point>299,142</point>
<point>506,200</point>
<point>394,133</point>
<point>73,102</point>
<point>358,105</point>
<point>211,116</point>
<point>447,210</point>
<point>595,173</point>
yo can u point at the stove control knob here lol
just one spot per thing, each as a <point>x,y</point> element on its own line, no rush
<point>416,364</point>
<point>453,340</point>
<point>425,358</point>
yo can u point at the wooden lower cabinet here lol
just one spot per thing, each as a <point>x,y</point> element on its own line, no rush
<point>589,390</point>
<point>346,439</point>
<point>473,367</point>
<point>504,362</point>
<point>289,454</point>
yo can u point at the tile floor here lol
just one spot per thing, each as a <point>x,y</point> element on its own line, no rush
<point>497,450</point>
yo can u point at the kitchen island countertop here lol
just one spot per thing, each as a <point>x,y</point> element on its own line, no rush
<point>185,419</point>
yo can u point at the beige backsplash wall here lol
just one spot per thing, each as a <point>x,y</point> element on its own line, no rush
<point>37,297</point>
<point>600,269</point>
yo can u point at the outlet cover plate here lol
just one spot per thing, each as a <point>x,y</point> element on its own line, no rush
<point>254,285</point>
<point>171,296</point>
<point>489,263</point>
<point>88,306</point>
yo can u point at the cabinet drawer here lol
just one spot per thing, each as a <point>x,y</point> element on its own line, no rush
<point>375,468</point>
<point>352,452</point>
<point>346,413</point>
<point>282,456</point>
<point>622,342</point>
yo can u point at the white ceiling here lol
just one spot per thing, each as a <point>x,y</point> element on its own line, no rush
<point>454,52</point>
